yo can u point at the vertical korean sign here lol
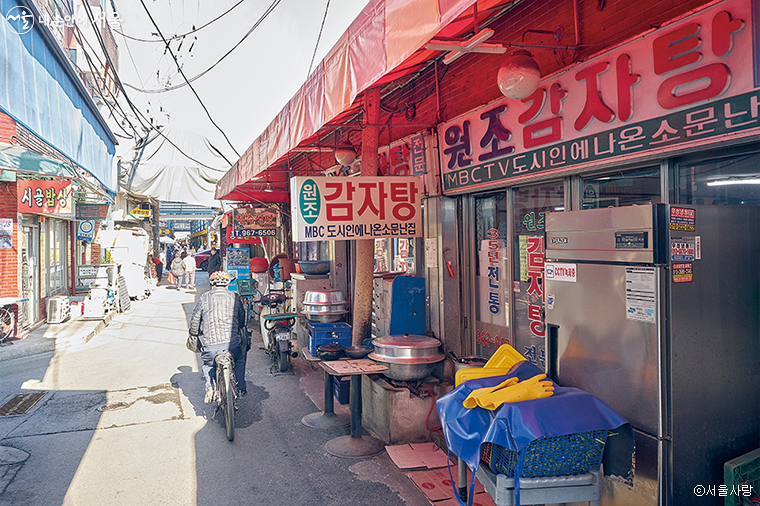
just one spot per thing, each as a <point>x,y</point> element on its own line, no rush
<point>45,197</point>
<point>684,84</point>
<point>345,208</point>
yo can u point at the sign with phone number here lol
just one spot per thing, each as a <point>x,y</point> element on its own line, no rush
<point>253,232</point>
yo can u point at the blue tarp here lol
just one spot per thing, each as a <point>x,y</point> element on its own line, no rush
<point>37,92</point>
<point>516,425</point>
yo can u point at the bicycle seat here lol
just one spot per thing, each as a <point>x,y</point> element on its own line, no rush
<point>223,357</point>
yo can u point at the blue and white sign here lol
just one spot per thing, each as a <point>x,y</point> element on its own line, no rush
<point>86,231</point>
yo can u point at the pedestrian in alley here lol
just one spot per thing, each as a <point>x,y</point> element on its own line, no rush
<point>214,262</point>
<point>219,320</point>
<point>159,267</point>
<point>178,269</point>
<point>189,270</point>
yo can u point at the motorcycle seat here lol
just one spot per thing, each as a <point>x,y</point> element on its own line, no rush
<point>279,316</point>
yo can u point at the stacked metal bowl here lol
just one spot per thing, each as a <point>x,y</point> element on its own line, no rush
<point>325,306</point>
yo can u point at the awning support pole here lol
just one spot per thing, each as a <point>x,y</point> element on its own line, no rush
<point>365,248</point>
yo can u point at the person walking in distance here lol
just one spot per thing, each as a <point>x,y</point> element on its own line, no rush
<point>177,269</point>
<point>189,270</point>
<point>219,320</point>
<point>214,262</point>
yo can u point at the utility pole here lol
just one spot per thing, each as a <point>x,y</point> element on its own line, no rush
<point>365,248</point>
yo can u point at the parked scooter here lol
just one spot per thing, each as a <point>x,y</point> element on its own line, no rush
<point>276,328</point>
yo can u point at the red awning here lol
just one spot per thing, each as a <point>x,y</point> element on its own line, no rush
<point>385,42</point>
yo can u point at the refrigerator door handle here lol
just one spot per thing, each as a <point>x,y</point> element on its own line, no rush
<point>552,361</point>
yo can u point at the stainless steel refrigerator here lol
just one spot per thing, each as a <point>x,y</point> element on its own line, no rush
<point>656,310</point>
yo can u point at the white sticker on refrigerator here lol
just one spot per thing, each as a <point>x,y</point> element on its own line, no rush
<point>641,294</point>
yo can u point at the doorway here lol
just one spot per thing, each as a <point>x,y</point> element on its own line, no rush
<point>30,276</point>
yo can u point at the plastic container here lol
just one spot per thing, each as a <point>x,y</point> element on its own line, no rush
<point>259,264</point>
<point>324,333</point>
<point>550,456</point>
<point>341,388</point>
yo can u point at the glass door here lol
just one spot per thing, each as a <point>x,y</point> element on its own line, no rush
<point>491,275</point>
<point>530,207</point>
<point>30,276</point>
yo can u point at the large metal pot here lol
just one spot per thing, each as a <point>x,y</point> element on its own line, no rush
<point>408,357</point>
<point>323,308</point>
<point>327,296</point>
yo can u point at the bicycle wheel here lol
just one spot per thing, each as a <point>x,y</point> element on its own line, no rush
<point>7,323</point>
<point>229,404</point>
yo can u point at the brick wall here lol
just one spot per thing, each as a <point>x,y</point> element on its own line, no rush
<point>9,257</point>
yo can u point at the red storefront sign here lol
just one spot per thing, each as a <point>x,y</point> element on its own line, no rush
<point>45,197</point>
<point>675,87</point>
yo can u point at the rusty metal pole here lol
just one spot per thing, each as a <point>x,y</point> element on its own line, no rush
<point>365,248</point>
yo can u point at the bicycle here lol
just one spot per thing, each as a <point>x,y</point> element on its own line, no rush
<point>226,390</point>
<point>7,318</point>
<point>7,323</point>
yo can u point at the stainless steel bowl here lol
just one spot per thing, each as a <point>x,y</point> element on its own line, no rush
<point>329,296</point>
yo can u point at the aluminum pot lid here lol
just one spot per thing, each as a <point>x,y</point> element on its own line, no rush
<point>407,341</point>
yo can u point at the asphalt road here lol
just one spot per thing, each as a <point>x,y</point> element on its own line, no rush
<point>123,422</point>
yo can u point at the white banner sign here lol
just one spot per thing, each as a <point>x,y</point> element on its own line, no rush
<point>345,208</point>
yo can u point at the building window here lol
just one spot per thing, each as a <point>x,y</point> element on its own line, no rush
<point>622,188</point>
<point>732,181</point>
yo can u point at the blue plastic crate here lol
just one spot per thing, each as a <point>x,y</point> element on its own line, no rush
<point>324,333</point>
<point>550,456</point>
<point>341,388</point>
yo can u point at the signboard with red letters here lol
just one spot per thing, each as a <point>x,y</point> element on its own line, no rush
<point>247,222</point>
<point>345,208</point>
<point>674,88</point>
<point>45,197</point>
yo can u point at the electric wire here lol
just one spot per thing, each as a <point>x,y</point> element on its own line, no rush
<point>319,37</point>
<point>153,127</point>
<point>90,16</point>
<point>80,38</point>
<point>187,82</point>
<point>175,37</point>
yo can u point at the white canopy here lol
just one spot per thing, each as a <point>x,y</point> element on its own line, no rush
<point>173,166</point>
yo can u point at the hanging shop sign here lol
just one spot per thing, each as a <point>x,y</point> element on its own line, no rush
<point>140,213</point>
<point>341,208</point>
<point>247,222</point>
<point>45,197</point>
<point>91,211</point>
<point>675,88</point>
<point>405,157</point>
<point>85,231</point>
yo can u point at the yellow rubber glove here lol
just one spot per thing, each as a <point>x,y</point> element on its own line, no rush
<point>537,387</point>
<point>472,400</point>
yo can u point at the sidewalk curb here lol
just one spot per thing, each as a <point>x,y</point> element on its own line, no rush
<point>49,338</point>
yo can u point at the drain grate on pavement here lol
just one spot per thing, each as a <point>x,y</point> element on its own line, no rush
<point>20,403</point>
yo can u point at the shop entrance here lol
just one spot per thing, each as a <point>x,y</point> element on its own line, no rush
<point>530,207</point>
<point>30,276</point>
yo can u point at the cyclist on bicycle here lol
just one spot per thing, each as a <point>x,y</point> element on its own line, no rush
<point>219,321</point>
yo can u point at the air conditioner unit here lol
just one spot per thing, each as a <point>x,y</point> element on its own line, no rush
<point>58,309</point>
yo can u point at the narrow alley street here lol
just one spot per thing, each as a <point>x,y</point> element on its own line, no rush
<point>122,421</point>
